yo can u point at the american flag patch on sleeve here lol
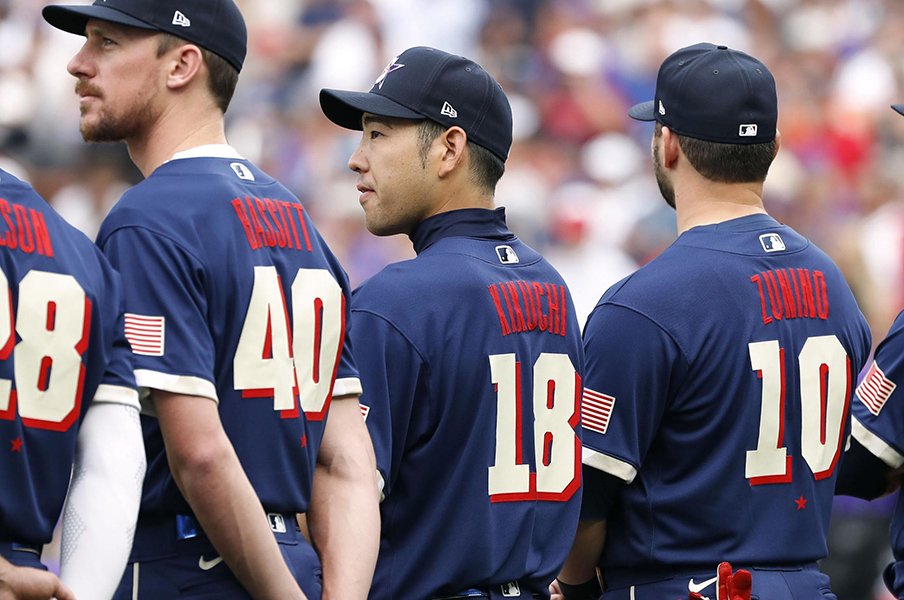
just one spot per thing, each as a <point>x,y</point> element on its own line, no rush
<point>596,409</point>
<point>365,410</point>
<point>145,334</point>
<point>875,389</point>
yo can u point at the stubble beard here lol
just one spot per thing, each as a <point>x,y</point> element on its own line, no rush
<point>662,180</point>
<point>115,127</point>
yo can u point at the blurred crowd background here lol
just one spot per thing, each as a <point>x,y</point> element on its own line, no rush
<point>579,183</point>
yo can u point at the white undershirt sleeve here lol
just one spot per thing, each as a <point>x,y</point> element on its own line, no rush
<point>102,507</point>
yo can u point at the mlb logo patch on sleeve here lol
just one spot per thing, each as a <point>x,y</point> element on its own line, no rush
<point>875,389</point>
<point>146,334</point>
<point>596,410</point>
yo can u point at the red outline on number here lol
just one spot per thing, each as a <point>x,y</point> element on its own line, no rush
<point>73,414</point>
<point>780,443</point>
<point>10,413</point>
<point>290,413</point>
<point>575,484</point>
<point>319,416</point>
<point>847,403</point>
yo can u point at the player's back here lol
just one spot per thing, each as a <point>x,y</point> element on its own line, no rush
<point>482,475</point>
<point>734,455</point>
<point>61,345</point>
<point>243,299</point>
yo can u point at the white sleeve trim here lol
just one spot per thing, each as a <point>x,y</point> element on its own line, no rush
<point>876,445</point>
<point>175,384</point>
<point>116,394</point>
<point>608,464</point>
<point>349,386</point>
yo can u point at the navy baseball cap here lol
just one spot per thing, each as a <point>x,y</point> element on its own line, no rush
<point>713,93</point>
<point>215,25</point>
<point>426,83</point>
<point>899,108</point>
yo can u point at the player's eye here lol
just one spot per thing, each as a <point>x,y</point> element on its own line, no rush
<point>374,134</point>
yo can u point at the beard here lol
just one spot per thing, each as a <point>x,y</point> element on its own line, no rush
<point>113,127</point>
<point>662,180</point>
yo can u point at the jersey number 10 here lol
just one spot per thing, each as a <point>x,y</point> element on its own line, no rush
<point>557,448</point>
<point>825,390</point>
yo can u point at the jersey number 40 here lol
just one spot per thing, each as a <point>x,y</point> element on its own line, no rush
<point>53,322</point>
<point>286,361</point>
<point>557,448</point>
<point>825,389</point>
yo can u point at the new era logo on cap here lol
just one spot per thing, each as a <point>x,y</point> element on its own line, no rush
<point>181,20</point>
<point>448,111</point>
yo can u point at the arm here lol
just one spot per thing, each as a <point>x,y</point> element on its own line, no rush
<point>578,578</point>
<point>25,583</point>
<point>864,475</point>
<point>103,500</point>
<point>344,515</point>
<point>211,478</point>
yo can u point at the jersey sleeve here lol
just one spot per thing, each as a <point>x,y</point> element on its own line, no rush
<point>878,405</point>
<point>165,312</point>
<point>390,370</point>
<point>118,383</point>
<point>631,364</point>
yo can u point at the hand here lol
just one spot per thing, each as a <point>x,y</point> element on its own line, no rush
<point>555,592</point>
<point>733,586</point>
<point>26,583</point>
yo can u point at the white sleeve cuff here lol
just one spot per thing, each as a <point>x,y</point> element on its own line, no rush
<point>608,464</point>
<point>876,445</point>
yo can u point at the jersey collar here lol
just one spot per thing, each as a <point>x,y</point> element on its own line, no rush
<point>466,222</point>
<point>209,151</point>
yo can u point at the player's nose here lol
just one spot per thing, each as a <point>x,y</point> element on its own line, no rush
<point>356,161</point>
<point>78,65</point>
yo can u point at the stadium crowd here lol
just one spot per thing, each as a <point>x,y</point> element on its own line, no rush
<point>578,184</point>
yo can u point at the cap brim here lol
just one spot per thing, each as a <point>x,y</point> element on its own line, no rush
<point>643,111</point>
<point>899,108</point>
<point>74,18</point>
<point>345,109</point>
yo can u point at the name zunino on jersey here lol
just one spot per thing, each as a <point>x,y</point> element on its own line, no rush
<point>520,306</point>
<point>792,294</point>
<point>272,223</point>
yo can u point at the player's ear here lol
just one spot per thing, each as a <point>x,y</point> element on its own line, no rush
<point>671,149</point>
<point>185,63</point>
<point>453,143</point>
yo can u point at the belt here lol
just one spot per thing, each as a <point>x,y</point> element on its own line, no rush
<point>15,546</point>
<point>511,589</point>
<point>158,536</point>
<point>622,577</point>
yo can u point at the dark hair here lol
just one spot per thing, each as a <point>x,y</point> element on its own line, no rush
<point>486,168</point>
<point>727,163</point>
<point>223,76</point>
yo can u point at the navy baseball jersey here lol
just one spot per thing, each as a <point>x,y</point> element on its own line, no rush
<point>718,387</point>
<point>231,294</point>
<point>878,414</point>
<point>62,347</point>
<point>470,359</point>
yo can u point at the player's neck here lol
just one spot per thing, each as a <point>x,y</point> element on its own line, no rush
<point>174,132</point>
<point>710,203</point>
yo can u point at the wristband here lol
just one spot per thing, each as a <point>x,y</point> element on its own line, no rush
<point>589,590</point>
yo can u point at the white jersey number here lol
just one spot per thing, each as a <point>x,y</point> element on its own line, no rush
<point>555,416</point>
<point>53,322</point>
<point>825,386</point>
<point>298,359</point>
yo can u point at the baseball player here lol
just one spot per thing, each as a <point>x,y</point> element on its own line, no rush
<point>68,405</point>
<point>719,376</point>
<point>871,466</point>
<point>470,354</point>
<point>237,314</point>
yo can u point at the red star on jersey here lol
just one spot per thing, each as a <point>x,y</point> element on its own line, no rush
<point>304,441</point>
<point>16,445</point>
<point>801,503</point>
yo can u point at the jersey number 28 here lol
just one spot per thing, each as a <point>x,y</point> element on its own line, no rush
<point>53,322</point>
